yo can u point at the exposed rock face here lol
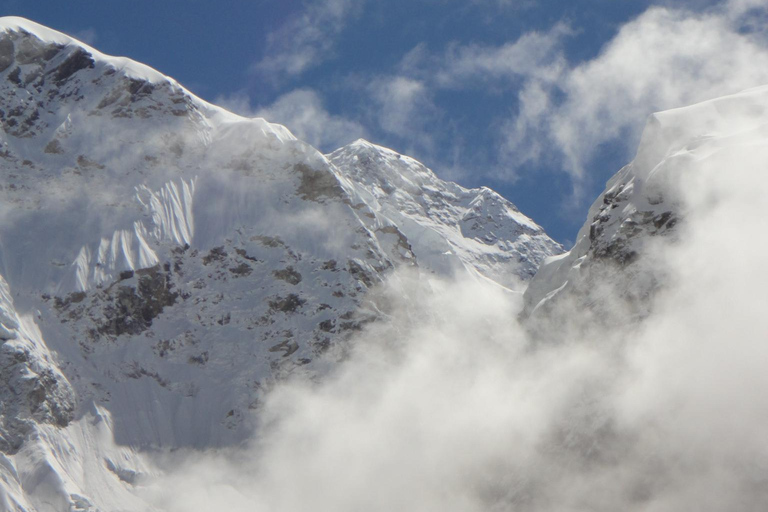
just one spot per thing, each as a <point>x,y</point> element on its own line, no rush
<point>32,388</point>
<point>611,268</point>
<point>126,307</point>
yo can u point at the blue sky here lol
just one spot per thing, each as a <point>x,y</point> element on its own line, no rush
<point>541,100</point>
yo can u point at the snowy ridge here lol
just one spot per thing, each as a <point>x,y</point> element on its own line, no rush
<point>126,67</point>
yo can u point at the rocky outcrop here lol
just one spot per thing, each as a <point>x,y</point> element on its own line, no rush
<point>33,389</point>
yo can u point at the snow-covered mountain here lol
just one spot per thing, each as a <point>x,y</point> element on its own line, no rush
<point>164,261</point>
<point>616,267</point>
<point>448,226</point>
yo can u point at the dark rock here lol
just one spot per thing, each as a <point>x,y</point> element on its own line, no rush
<point>131,310</point>
<point>662,219</point>
<point>31,50</point>
<point>327,325</point>
<point>243,254</point>
<point>288,304</point>
<point>269,241</point>
<point>317,184</point>
<point>6,52</point>
<point>215,254</point>
<point>87,163</point>
<point>288,347</point>
<point>288,274</point>
<point>360,273</point>
<point>199,360</point>
<point>241,270</point>
<point>54,147</point>
<point>180,249</point>
<point>74,63</point>
<point>15,76</point>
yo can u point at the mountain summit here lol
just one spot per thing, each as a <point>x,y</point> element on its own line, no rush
<point>447,224</point>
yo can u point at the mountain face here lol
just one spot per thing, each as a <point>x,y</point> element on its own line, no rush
<point>615,268</point>
<point>448,226</point>
<point>164,262</point>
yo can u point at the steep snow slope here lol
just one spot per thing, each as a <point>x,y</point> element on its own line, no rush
<point>641,209</point>
<point>163,261</point>
<point>447,225</point>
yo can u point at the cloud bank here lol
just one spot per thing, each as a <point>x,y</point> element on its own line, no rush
<point>449,405</point>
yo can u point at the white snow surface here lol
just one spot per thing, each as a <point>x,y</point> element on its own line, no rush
<point>163,262</point>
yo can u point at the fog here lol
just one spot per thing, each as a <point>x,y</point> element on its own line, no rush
<point>448,404</point>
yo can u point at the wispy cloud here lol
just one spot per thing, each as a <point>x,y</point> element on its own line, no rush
<point>554,112</point>
<point>663,59</point>
<point>307,40</point>
<point>566,111</point>
<point>536,55</point>
<point>304,113</point>
<point>403,107</point>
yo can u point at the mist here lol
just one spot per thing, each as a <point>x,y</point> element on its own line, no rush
<point>449,404</point>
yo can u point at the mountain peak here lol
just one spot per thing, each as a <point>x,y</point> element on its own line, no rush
<point>57,70</point>
<point>645,201</point>
<point>19,24</point>
<point>448,224</point>
<point>381,164</point>
<point>361,142</point>
<point>44,40</point>
<point>45,52</point>
<point>365,146</point>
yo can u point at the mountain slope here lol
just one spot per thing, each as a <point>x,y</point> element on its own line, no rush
<point>165,261</point>
<point>616,267</point>
<point>448,225</point>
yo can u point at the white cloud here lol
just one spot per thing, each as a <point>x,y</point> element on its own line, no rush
<point>238,103</point>
<point>402,107</point>
<point>535,55</point>
<point>399,100</point>
<point>306,40</point>
<point>663,59</point>
<point>447,405</point>
<point>303,112</point>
